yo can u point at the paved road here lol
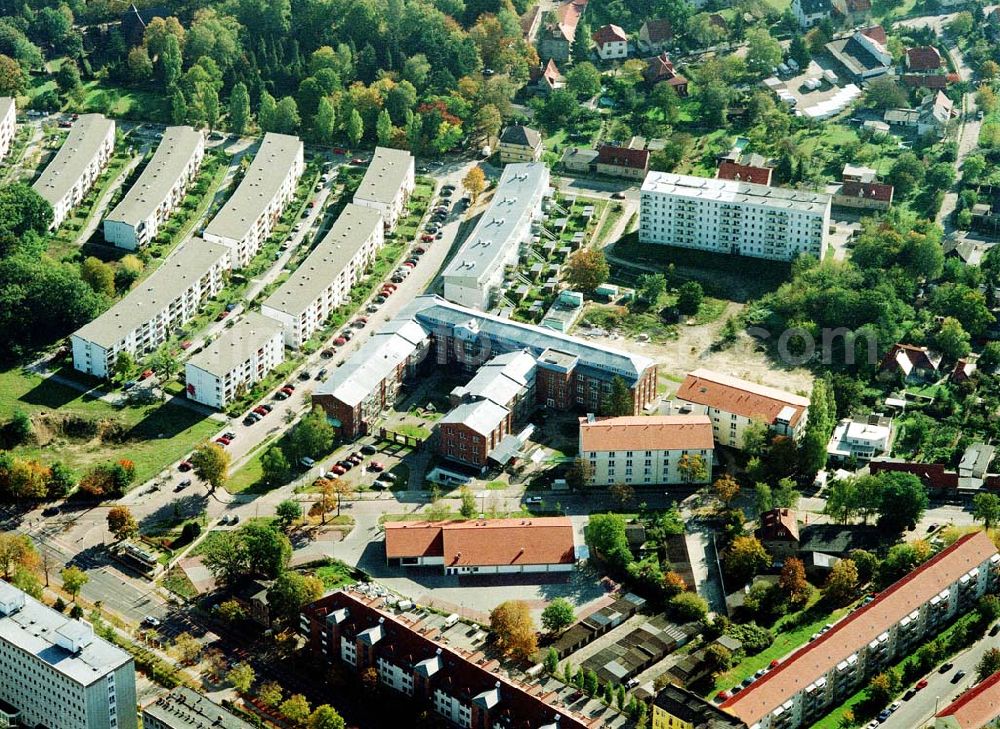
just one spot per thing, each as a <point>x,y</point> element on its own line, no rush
<point>968,139</point>
<point>940,691</point>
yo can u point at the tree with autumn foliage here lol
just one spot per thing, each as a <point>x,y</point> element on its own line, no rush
<point>726,490</point>
<point>475,182</point>
<point>841,583</point>
<point>513,629</point>
<point>121,523</point>
<point>744,558</point>
<point>792,581</point>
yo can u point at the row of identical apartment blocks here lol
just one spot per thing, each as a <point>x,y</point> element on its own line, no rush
<point>734,217</point>
<point>198,270</point>
<point>161,187</point>
<point>81,159</point>
<point>55,672</point>
<point>8,124</point>
<point>827,671</point>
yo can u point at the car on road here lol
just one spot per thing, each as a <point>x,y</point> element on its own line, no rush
<point>959,675</point>
<point>50,511</point>
<point>618,196</point>
<point>307,462</point>
<point>326,353</point>
<point>369,450</point>
<point>260,410</point>
<point>338,469</point>
<point>223,441</point>
<point>921,684</point>
<point>305,375</point>
<point>945,667</point>
<point>376,466</point>
<point>340,341</point>
<point>184,466</point>
<point>151,622</point>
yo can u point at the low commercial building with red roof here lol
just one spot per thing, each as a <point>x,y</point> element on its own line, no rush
<point>611,42</point>
<point>622,162</point>
<point>733,404</point>
<point>646,449</point>
<point>923,59</point>
<point>344,629</point>
<point>824,672</point>
<point>483,546</point>
<point>743,173</point>
<point>977,708</point>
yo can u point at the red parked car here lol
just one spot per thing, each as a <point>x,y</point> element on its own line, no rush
<point>186,344</point>
<point>261,410</point>
<point>340,341</point>
<point>223,440</point>
<point>427,238</point>
<point>184,466</point>
<point>146,374</point>
<point>340,150</point>
<point>338,469</point>
<point>376,466</point>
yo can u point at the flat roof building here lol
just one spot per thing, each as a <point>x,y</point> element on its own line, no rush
<point>387,184</point>
<point>239,358</point>
<point>144,318</point>
<point>645,449</point>
<point>136,220</point>
<point>735,404</point>
<point>730,216</point>
<point>251,212</point>
<point>79,162</point>
<point>324,280</point>
<point>183,708</point>
<point>477,270</point>
<point>805,686</point>
<point>55,672</point>
<point>8,124</point>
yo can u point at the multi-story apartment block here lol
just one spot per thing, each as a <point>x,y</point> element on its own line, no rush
<point>727,216</point>
<point>77,165</point>
<point>477,270</point>
<point>8,124</point>
<point>250,214</point>
<point>733,404</point>
<point>387,184</point>
<point>977,708</point>
<point>825,672</point>
<point>570,373</point>
<point>143,320</point>
<point>136,220</point>
<point>645,450</point>
<point>183,708</point>
<point>54,672</point>
<point>483,546</point>
<point>242,356</point>
<point>677,708</point>
<point>345,630</point>
<point>323,282</point>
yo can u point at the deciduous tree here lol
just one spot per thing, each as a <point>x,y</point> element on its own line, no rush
<point>841,583</point>
<point>557,615</point>
<point>475,182</point>
<point>793,580</point>
<point>744,558</point>
<point>513,629</point>
<point>211,464</point>
<point>121,523</point>
<point>587,269</point>
<point>241,676</point>
<point>73,580</point>
<point>986,508</point>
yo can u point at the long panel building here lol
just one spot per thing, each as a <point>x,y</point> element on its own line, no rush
<point>136,220</point>
<point>54,672</point>
<point>387,184</point>
<point>242,356</point>
<point>344,630</point>
<point>77,165</point>
<point>570,373</point>
<point>144,318</point>
<point>729,216</point>
<point>250,214</point>
<point>477,270</point>
<point>826,671</point>
<point>8,124</point>
<point>183,708</point>
<point>324,280</point>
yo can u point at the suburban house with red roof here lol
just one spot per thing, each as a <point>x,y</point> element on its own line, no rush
<point>914,364</point>
<point>610,42</point>
<point>779,532</point>
<point>463,688</point>
<point>923,59</point>
<point>556,37</point>
<point>851,12</point>
<point>733,404</point>
<point>660,69</point>
<point>645,449</point>
<point>729,170</point>
<point>622,162</point>
<point>483,546</point>
<point>655,35</point>
<point>818,676</point>
<point>977,708</point>
<point>547,78</point>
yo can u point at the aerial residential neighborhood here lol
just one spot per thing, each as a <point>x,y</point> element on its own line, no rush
<point>507,364</point>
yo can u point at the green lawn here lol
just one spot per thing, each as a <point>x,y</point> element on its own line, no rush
<point>154,435</point>
<point>147,104</point>
<point>335,575</point>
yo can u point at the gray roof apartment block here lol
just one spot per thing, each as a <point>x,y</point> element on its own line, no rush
<point>79,149</point>
<point>235,345</point>
<point>384,176</point>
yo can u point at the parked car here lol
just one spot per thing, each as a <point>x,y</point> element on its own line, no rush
<point>356,457</point>
<point>321,374</point>
<point>379,299</point>
<point>397,278</point>
<point>222,440</point>
<point>326,353</point>
<point>50,511</point>
<point>427,238</point>
<point>618,196</point>
<point>229,434</point>
<point>420,250</point>
<point>340,150</point>
<point>340,341</point>
<point>305,375</point>
<point>250,420</point>
<point>151,622</point>
<point>387,477</point>
<point>347,334</point>
<point>289,386</point>
<point>360,322</point>
<point>222,315</point>
<point>369,450</point>
<point>280,395</point>
<point>945,667</point>
<point>959,675</point>
<point>307,462</point>
<point>376,466</point>
<point>440,235</point>
<point>338,469</point>
<point>346,465</point>
<point>260,410</point>
<point>921,684</point>
<point>184,466</point>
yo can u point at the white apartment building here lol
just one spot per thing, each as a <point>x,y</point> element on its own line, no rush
<point>8,124</point>
<point>250,214</point>
<point>825,672</point>
<point>55,672</point>
<point>387,184</point>
<point>733,404</point>
<point>143,320</point>
<point>136,220</point>
<point>644,450</point>
<point>860,439</point>
<point>477,270</point>
<point>323,282</point>
<point>79,162</point>
<point>243,355</point>
<point>729,216</point>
